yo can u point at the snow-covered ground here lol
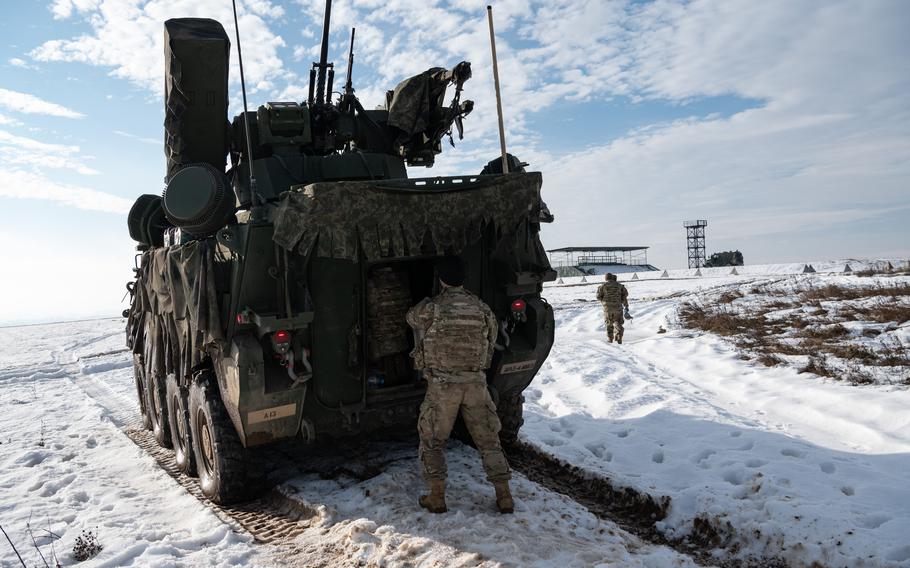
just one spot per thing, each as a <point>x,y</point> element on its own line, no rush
<point>66,466</point>
<point>801,468</point>
<point>780,464</point>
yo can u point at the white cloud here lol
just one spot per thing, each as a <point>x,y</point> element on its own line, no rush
<point>30,104</point>
<point>829,146</point>
<point>63,9</point>
<point>17,62</point>
<point>126,36</point>
<point>9,121</point>
<point>20,151</point>
<point>138,138</point>
<point>22,184</point>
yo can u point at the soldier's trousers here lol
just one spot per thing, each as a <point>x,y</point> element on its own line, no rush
<point>613,321</point>
<point>437,416</point>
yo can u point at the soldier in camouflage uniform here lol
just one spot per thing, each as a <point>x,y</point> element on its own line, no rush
<point>454,337</point>
<point>614,298</point>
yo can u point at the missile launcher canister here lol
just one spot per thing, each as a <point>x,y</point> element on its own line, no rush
<point>274,272</point>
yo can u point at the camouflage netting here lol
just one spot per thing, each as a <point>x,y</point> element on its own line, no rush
<point>175,314</point>
<point>413,101</point>
<point>338,219</point>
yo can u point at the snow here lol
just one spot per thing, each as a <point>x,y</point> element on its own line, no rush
<point>802,468</point>
<point>781,464</point>
<point>65,466</point>
<point>66,390</point>
<point>376,522</point>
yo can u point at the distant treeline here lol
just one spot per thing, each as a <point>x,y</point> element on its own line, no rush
<point>725,258</point>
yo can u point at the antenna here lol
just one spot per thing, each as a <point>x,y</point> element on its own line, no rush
<point>502,132</point>
<point>348,86</point>
<point>246,121</point>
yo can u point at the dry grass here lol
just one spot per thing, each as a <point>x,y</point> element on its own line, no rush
<point>853,352</point>
<point>836,292</point>
<point>824,332</point>
<point>895,271</point>
<point>817,366</point>
<point>816,333</point>
<point>884,312</point>
<point>769,359</point>
<point>86,546</point>
<point>721,321</point>
<point>729,296</point>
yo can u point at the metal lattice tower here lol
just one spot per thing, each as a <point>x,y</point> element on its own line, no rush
<point>695,242</point>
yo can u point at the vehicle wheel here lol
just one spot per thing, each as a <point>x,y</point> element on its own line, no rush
<point>178,420</point>
<point>509,408</point>
<point>226,471</point>
<point>141,391</point>
<point>157,410</point>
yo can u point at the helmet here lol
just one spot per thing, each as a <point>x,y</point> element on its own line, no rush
<point>610,277</point>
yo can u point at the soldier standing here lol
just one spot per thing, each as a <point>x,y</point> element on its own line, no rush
<point>614,298</point>
<point>454,336</point>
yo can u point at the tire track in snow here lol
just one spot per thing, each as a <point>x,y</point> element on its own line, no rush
<point>273,518</point>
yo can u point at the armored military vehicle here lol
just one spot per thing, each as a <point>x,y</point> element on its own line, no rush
<point>271,289</point>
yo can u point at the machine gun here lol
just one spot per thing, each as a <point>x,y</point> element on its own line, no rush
<point>346,104</point>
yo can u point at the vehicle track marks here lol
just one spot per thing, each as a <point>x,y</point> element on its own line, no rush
<point>634,511</point>
<point>273,518</point>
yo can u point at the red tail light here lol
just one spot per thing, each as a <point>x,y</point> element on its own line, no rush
<point>282,336</point>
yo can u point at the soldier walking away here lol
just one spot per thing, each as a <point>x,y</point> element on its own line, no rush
<point>615,299</point>
<point>454,335</point>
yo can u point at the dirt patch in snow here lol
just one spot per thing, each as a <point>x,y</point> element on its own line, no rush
<point>635,511</point>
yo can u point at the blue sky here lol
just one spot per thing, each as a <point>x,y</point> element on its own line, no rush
<point>785,124</point>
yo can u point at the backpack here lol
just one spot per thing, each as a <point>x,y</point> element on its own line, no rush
<point>457,338</point>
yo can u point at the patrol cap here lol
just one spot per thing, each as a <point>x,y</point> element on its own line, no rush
<point>450,270</point>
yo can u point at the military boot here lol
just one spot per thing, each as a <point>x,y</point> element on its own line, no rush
<point>435,501</point>
<point>504,498</point>
<point>619,339</point>
<point>609,339</point>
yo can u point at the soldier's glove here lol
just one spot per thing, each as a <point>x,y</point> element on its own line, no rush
<point>626,314</point>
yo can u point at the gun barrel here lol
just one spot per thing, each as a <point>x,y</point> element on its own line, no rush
<point>324,53</point>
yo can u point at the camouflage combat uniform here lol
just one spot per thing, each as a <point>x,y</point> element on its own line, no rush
<point>455,333</point>
<point>613,296</point>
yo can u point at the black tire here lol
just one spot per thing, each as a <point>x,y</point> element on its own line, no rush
<point>141,391</point>
<point>227,471</point>
<point>156,402</point>
<point>178,420</point>
<point>509,407</point>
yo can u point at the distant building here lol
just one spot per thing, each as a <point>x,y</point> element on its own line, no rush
<point>578,261</point>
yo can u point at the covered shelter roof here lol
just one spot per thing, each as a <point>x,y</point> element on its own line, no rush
<point>597,249</point>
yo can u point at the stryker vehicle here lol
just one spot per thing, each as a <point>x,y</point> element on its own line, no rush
<point>270,293</point>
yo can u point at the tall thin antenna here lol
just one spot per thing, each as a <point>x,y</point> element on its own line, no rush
<point>502,131</point>
<point>246,121</point>
<point>348,85</point>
